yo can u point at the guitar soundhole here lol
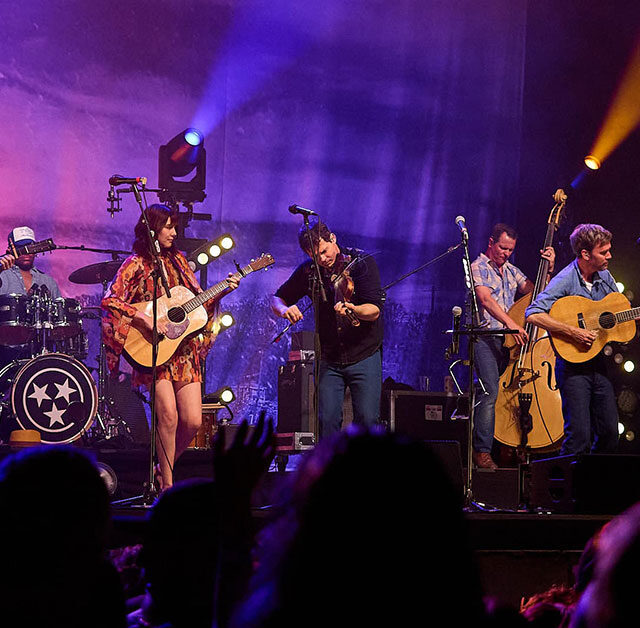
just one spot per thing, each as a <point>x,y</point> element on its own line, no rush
<point>607,320</point>
<point>176,314</point>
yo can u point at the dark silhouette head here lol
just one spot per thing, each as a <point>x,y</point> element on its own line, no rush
<point>374,533</point>
<point>180,553</point>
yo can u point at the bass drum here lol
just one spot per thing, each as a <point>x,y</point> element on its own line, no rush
<point>54,394</point>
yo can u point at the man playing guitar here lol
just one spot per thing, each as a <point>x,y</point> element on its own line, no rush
<point>588,399</point>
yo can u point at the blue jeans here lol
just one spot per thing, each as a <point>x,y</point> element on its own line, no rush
<point>589,407</point>
<point>364,379</point>
<point>491,358</point>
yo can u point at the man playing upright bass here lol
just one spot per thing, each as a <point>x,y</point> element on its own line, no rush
<point>497,281</point>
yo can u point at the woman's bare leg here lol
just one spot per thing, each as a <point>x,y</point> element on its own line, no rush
<point>167,413</point>
<point>189,402</point>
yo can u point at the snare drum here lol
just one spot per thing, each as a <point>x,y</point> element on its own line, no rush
<point>64,318</point>
<point>16,319</point>
<point>76,346</point>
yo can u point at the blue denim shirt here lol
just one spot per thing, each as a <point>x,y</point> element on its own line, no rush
<point>12,282</point>
<point>503,285</point>
<point>569,282</point>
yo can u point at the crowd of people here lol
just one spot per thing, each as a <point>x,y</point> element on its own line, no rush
<point>370,532</point>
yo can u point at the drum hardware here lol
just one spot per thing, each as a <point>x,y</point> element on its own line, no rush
<point>109,425</point>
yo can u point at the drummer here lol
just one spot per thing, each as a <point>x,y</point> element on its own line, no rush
<point>18,275</point>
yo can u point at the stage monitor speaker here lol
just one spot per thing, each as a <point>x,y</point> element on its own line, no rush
<point>603,484</point>
<point>295,400</point>
<point>428,416</point>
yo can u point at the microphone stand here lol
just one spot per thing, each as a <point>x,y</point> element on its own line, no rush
<point>149,490</point>
<point>317,292</point>
<point>473,332</point>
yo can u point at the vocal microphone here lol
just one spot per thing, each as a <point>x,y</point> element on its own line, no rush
<point>460,221</point>
<point>117,179</point>
<point>456,310</point>
<point>296,209</point>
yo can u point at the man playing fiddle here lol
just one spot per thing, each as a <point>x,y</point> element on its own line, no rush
<point>350,330</point>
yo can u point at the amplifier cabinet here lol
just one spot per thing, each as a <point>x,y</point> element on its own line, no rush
<point>433,416</point>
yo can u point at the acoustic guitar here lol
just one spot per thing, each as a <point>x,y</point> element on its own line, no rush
<point>612,318</point>
<point>185,314</point>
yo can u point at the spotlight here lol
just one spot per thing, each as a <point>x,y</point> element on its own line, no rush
<point>620,286</point>
<point>621,429</point>
<point>211,250</point>
<point>630,435</point>
<point>224,396</point>
<point>592,162</point>
<point>226,320</point>
<point>179,158</point>
<point>629,366</point>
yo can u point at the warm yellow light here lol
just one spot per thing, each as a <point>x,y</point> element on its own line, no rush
<point>226,242</point>
<point>215,251</point>
<point>624,112</point>
<point>202,259</point>
<point>592,162</point>
<point>630,435</point>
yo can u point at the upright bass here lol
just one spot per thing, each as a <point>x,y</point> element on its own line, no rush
<point>528,409</point>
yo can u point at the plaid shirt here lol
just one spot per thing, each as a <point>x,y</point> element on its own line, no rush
<point>503,285</point>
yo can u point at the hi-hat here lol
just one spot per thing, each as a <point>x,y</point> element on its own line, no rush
<point>96,273</point>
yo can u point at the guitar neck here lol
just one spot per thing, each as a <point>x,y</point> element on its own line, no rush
<point>214,291</point>
<point>628,315</point>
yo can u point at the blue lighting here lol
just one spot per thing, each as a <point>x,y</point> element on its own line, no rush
<point>193,137</point>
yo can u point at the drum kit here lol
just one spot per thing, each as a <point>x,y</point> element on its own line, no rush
<point>45,385</point>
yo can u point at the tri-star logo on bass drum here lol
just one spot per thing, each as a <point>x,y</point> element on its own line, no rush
<point>56,395</point>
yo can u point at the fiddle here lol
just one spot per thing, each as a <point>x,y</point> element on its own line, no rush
<point>343,285</point>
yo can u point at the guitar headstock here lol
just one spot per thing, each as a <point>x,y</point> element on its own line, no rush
<point>264,261</point>
<point>34,248</point>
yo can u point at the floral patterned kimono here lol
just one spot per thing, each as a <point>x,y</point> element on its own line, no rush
<point>134,283</point>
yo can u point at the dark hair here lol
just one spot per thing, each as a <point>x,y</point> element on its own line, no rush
<point>501,228</point>
<point>318,230</point>
<point>157,216</point>
<point>588,236</point>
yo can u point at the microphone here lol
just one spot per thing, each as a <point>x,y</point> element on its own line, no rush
<point>118,179</point>
<point>460,221</point>
<point>456,310</point>
<point>296,209</point>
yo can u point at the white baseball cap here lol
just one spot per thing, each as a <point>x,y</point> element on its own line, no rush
<point>22,235</point>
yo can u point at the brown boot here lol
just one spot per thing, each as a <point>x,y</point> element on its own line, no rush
<point>483,460</point>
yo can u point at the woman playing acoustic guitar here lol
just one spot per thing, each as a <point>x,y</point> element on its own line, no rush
<point>178,381</point>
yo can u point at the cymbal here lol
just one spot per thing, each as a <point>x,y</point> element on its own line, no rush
<point>96,273</point>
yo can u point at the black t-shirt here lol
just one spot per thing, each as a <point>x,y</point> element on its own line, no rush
<point>341,342</point>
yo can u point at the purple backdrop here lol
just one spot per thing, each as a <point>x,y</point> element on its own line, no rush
<point>388,119</point>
